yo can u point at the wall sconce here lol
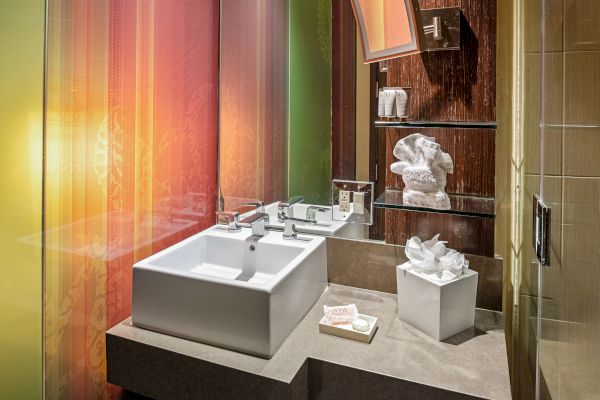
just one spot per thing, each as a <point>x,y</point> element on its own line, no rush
<point>394,28</point>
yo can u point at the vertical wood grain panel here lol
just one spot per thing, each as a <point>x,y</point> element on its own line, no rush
<point>454,85</point>
<point>471,235</point>
<point>343,96</point>
<point>377,154</point>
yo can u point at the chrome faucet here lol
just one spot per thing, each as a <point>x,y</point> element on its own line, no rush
<point>285,209</point>
<point>311,212</point>
<point>230,220</point>
<point>289,229</point>
<point>257,221</point>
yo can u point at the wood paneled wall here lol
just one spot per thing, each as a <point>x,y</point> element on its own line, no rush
<point>470,235</point>
<point>451,86</point>
<point>343,91</point>
<point>454,85</point>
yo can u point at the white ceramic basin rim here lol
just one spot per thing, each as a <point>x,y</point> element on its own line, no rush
<point>230,289</point>
<point>229,258</point>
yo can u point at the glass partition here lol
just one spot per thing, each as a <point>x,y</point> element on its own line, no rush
<point>21,144</point>
<point>130,168</point>
<point>559,329</point>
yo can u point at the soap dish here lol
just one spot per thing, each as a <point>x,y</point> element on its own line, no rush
<point>346,330</point>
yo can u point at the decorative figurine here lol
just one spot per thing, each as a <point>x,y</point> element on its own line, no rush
<point>423,166</point>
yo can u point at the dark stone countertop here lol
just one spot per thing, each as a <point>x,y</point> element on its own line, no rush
<point>400,362</point>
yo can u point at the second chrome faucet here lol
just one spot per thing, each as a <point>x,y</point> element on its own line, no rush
<point>259,220</point>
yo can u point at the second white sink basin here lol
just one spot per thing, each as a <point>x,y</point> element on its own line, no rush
<point>230,289</point>
<point>324,226</point>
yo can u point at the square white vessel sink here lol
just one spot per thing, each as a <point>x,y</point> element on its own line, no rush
<point>230,289</point>
<point>324,226</point>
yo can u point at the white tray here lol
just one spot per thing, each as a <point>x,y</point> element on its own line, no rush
<point>346,331</point>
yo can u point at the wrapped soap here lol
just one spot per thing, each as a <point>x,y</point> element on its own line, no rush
<point>340,314</point>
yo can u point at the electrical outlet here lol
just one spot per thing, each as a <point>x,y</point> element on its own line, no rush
<point>344,201</point>
<point>353,201</point>
<point>359,202</point>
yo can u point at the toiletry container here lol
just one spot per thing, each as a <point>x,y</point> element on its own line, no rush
<point>402,98</point>
<point>439,309</point>
<point>381,103</point>
<point>390,100</point>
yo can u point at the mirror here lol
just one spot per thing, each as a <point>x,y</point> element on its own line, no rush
<point>299,110</point>
<point>275,93</point>
<point>388,28</point>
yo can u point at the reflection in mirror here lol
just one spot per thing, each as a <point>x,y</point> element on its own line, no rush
<point>276,113</point>
<point>388,28</point>
<point>309,219</point>
<point>275,101</point>
<point>253,95</point>
<point>299,109</point>
<point>352,201</point>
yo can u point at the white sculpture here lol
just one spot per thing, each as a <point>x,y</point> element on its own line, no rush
<point>434,260</point>
<point>423,166</point>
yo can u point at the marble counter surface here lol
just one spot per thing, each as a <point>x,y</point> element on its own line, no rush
<point>472,364</point>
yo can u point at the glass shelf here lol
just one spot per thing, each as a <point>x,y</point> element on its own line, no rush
<point>433,124</point>
<point>470,206</point>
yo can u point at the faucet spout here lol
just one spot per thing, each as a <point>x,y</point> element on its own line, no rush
<point>311,212</point>
<point>289,227</point>
<point>258,222</point>
<point>284,209</point>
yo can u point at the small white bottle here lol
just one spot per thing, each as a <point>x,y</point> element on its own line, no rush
<point>381,104</point>
<point>390,99</point>
<point>401,102</point>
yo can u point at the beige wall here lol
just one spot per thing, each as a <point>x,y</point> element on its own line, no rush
<point>504,156</point>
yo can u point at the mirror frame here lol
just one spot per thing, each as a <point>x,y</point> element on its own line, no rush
<point>415,24</point>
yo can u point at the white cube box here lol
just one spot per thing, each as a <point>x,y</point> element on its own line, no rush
<point>438,309</point>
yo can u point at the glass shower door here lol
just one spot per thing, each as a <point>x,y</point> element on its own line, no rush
<point>568,290</point>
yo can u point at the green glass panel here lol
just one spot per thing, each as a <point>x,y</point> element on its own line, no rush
<point>21,133</point>
<point>310,100</point>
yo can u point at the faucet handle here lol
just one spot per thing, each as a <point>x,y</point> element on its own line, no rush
<point>229,218</point>
<point>289,229</point>
<point>259,205</point>
<point>258,222</point>
<point>291,201</point>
